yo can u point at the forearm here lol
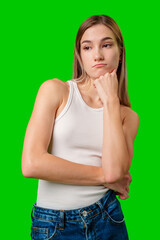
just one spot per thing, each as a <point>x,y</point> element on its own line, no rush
<point>115,158</point>
<point>52,168</point>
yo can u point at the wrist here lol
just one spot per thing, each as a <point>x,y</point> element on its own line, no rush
<point>102,179</point>
<point>112,105</point>
<point>111,101</point>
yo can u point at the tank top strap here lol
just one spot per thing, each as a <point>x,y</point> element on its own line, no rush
<point>69,101</point>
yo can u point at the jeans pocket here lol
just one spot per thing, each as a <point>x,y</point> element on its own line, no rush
<point>39,233</point>
<point>43,228</point>
<point>114,212</point>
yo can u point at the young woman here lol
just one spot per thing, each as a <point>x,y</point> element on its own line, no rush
<point>79,141</point>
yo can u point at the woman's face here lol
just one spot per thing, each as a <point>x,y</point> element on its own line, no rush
<point>94,49</point>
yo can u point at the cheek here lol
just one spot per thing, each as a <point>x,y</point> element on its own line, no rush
<point>85,60</point>
<point>114,57</point>
<point>83,57</point>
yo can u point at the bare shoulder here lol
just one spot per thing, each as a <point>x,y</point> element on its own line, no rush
<point>55,84</point>
<point>129,113</point>
<point>130,120</point>
<point>53,89</point>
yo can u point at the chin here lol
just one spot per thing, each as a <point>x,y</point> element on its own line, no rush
<point>97,75</point>
<point>101,74</point>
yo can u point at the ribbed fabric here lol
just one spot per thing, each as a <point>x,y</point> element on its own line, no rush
<point>77,137</point>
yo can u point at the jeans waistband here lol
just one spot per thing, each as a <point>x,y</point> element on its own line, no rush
<point>75,214</point>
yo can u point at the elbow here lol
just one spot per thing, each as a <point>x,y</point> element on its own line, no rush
<point>115,176</point>
<point>27,173</point>
<point>27,168</point>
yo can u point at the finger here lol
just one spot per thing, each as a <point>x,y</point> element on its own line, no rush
<point>127,195</point>
<point>123,197</point>
<point>106,75</point>
<point>130,177</point>
<point>114,71</point>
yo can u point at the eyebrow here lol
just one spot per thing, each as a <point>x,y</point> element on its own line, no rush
<point>106,38</point>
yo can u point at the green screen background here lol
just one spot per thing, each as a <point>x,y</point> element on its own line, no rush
<point>37,44</point>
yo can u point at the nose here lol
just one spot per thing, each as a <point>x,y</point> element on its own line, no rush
<point>98,55</point>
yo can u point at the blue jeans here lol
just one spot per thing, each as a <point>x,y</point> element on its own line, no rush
<point>102,220</point>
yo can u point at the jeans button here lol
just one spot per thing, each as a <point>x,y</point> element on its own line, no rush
<point>84,213</point>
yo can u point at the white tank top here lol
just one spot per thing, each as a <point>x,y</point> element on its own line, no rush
<point>77,137</point>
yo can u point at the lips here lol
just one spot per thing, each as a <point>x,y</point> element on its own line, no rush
<point>100,65</point>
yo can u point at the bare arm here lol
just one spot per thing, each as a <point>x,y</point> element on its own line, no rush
<point>118,140</point>
<point>36,161</point>
<point>53,168</point>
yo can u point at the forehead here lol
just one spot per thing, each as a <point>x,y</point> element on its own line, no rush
<point>97,32</point>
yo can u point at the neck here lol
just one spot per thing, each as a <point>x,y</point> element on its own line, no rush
<point>89,89</point>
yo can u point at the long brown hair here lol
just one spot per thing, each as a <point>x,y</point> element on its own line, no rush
<point>78,71</point>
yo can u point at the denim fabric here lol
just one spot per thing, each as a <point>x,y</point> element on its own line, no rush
<point>103,220</point>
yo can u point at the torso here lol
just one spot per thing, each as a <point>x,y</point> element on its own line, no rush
<point>86,99</point>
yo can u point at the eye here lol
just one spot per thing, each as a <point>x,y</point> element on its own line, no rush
<point>86,48</point>
<point>107,44</point>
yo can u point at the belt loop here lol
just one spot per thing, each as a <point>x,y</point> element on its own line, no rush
<point>61,220</point>
<point>32,210</point>
<point>102,208</point>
